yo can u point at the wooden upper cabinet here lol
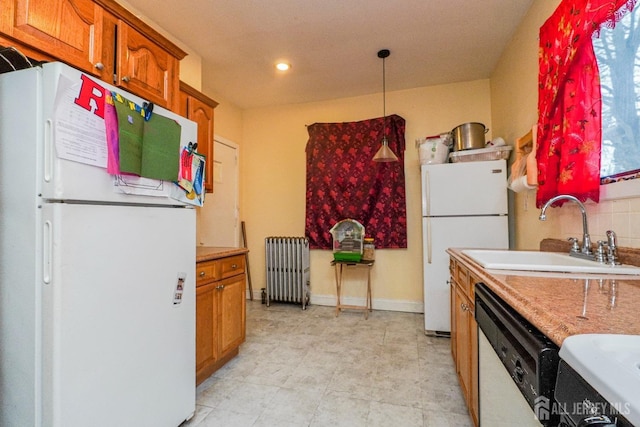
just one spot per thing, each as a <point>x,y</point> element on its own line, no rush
<point>146,63</point>
<point>99,37</point>
<point>145,69</point>
<point>66,29</point>
<point>198,107</point>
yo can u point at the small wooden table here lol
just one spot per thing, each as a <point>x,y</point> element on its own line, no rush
<point>339,265</point>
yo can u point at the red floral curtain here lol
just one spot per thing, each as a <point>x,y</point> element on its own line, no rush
<point>569,108</point>
<point>344,182</point>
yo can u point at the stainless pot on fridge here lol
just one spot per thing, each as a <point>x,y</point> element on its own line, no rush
<point>469,136</point>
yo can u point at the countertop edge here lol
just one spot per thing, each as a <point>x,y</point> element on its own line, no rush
<point>209,253</point>
<point>542,319</point>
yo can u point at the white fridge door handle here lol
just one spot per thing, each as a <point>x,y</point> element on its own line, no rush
<point>47,251</point>
<point>427,194</point>
<point>427,202</point>
<point>429,240</point>
<point>48,155</point>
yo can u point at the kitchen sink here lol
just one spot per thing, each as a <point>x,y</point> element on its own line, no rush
<point>610,363</point>
<point>544,261</point>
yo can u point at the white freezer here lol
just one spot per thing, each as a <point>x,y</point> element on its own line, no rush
<point>439,234</point>
<point>465,188</point>
<point>31,119</point>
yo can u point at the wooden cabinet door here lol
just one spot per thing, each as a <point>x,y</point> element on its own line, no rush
<point>144,68</point>
<point>462,342</point>
<point>67,29</point>
<point>473,385</point>
<point>206,329</point>
<point>453,314</point>
<point>232,312</point>
<point>202,114</point>
<point>196,106</point>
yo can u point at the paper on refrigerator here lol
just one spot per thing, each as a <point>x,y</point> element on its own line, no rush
<point>79,134</point>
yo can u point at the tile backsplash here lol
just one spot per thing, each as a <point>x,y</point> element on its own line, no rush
<point>621,216</point>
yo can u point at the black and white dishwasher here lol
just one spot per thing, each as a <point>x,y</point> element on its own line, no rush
<point>517,366</point>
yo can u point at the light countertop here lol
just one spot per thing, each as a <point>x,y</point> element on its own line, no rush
<point>564,304</point>
<point>208,253</point>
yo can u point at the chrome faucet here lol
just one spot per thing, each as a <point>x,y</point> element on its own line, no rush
<point>612,248</point>
<point>585,250</point>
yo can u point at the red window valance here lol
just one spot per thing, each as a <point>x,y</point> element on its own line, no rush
<point>569,106</point>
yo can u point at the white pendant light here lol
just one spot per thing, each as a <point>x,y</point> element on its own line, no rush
<point>384,154</point>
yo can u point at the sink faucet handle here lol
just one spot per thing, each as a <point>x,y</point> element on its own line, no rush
<point>612,253</point>
<point>575,247</point>
<point>601,256</point>
<point>612,238</point>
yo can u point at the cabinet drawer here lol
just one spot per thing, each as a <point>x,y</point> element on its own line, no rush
<point>231,266</point>
<point>205,272</point>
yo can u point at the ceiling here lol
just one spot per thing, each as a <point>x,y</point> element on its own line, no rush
<point>333,44</point>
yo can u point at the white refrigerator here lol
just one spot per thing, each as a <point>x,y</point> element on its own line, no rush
<point>464,205</point>
<point>97,289</point>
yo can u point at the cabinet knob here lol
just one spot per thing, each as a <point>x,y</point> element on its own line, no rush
<point>234,266</point>
<point>202,274</point>
<point>99,66</point>
<point>126,79</point>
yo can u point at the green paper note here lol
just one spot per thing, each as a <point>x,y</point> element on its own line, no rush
<point>161,148</point>
<point>147,148</point>
<point>130,130</point>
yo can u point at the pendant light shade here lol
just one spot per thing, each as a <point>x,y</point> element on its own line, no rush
<point>384,154</point>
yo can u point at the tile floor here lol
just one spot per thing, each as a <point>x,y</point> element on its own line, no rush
<point>310,368</point>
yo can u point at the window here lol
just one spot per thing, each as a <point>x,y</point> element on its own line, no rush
<point>617,53</point>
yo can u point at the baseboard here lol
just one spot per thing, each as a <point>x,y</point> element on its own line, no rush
<point>377,303</point>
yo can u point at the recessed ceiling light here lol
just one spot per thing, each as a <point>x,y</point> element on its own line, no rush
<point>283,66</point>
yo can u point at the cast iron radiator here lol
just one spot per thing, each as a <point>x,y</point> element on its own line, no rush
<point>287,265</point>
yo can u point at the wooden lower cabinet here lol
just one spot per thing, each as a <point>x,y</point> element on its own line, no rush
<point>464,334</point>
<point>220,313</point>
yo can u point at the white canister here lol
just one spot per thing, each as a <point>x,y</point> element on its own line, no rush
<point>432,150</point>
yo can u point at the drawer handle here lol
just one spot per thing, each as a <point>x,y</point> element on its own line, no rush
<point>234,266</point>
<point>202,274</point>
<point>220,287</point>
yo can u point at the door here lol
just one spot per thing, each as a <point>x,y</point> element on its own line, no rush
<point>452,232</point>
<point>118,349</point>
<point>207,325</point>
<point>232,312</point>
<point>222,205</point>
